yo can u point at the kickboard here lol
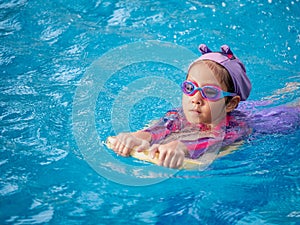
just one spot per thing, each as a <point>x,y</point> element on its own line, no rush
<point>188,164</point>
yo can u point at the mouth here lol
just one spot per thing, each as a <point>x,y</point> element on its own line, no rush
<point>196,111</point>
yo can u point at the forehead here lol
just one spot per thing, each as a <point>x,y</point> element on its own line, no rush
<point>203,75</point>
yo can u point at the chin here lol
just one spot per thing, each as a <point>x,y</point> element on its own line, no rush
<point>194,120</point>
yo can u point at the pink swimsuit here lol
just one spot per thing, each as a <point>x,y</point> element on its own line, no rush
<point>197,138</point>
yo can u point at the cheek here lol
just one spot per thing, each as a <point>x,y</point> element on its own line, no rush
<point>217,109</point>
<point>213,106</point>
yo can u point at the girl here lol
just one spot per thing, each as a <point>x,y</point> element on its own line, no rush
<point>215,84</point>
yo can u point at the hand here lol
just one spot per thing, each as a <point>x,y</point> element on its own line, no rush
<point>124,143</point>
<point>170,155</point>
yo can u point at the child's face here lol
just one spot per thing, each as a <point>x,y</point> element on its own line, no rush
<point>196,108</point>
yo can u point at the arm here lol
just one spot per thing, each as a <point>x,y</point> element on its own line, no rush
<point>141,140</point>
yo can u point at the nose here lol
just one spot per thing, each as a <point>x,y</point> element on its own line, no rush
<point>197,98</point>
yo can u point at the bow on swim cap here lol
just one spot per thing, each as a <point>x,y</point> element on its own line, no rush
<point>233,65</point>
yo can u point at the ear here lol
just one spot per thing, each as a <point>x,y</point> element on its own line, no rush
<point>233,103</point>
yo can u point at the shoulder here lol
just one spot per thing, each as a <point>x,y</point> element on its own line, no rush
<point>236,118</point>
<point>237,125</point>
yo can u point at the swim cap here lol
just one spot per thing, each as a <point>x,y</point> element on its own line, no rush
<point>232,64</point>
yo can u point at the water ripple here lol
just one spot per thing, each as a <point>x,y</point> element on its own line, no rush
<point>9,17</point>
<point>44,216</point>
<point>45,48</point>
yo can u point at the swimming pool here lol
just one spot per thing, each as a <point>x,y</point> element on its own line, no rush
<point>49,51</point>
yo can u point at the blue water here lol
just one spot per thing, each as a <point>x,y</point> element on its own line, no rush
<point>54,166</point>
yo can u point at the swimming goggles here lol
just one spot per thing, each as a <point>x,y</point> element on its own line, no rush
<point>209,92</point>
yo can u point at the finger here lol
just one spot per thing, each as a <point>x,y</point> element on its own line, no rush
<point>153,150</point>
<point>129,145</point>
<point>111,141</point>
<point>140,148</point>
<point>144,146</point>
<point>173,162</point>
<point>176,162</point>
<point>162,157</point>
<point>113,144</point>
<point>126,151</point>
<point>180,162</point>
<point>118,146</point>
<point>168,159</point>
<point>121,138</point>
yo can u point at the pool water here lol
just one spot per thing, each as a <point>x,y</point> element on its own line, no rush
<point>54,166</point>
